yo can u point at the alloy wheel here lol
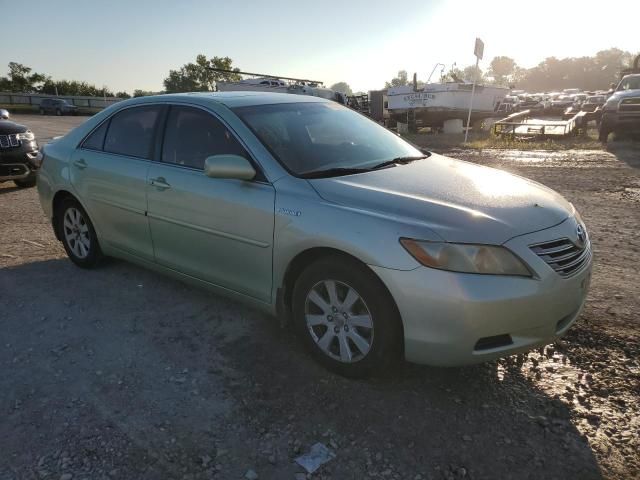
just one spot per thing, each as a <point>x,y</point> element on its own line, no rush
<point>76,232</point>
<point>339,321</point>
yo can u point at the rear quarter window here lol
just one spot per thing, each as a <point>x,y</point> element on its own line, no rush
<point>95,141</point>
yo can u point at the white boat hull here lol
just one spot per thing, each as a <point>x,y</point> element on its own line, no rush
<point>439,102</point>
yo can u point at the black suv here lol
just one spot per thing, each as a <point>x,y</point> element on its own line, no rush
<point>57,106</point>
<point>621,112</point>
<point>19,155</point>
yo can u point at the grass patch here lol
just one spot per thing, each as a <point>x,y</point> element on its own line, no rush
<point>482,140</point>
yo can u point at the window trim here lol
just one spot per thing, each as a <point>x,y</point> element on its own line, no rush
<point>260,175</point>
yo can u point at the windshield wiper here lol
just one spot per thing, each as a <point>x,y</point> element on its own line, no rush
<point>399,161</point>
<point>333,172</point>
<point>336,172</point>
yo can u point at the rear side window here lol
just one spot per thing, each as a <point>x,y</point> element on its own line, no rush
<point>192,135</point>
<point>95,141</point>
<point>131,132</point>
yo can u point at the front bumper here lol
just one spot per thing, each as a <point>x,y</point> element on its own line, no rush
<point>621,121</point>
<point>20,162</point>
<point>454,319</point>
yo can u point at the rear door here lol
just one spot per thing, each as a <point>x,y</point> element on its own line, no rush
<point>109,173</point>
<point>218,230</point>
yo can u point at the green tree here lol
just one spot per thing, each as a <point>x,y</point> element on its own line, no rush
<point>198,76</point>
<point>400,80</point>
<point>342,87</point>
<point>73,87</point>
<point>472,72</point>
<point>122,94</point>
<point>20,79</point>
<point>501,69</point>
<point>142,93</point>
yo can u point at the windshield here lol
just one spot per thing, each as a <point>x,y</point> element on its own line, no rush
<point>310,137</point>
<point>631,83</point>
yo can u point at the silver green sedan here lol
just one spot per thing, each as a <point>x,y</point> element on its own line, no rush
<point>371,248</point>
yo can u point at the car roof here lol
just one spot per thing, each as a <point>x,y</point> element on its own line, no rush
<point>233,99</point>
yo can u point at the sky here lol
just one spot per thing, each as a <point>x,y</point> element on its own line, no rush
<point>132,44</point>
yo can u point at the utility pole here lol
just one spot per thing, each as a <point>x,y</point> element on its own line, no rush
<point>478,52</point>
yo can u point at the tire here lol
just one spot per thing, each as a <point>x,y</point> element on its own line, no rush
<point>603,134</point>
<point>78,235</point>
<point>28,182</point>
<point>353,341</point>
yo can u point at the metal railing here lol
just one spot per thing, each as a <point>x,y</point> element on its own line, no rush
<point>34,99</point>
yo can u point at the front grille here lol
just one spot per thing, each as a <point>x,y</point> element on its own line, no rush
<point>8,141</point>
<point>564,256</point>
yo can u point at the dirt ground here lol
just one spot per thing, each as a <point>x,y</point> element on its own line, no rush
<point>120,373</point>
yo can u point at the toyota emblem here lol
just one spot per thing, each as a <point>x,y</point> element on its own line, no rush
<point>582,235</point>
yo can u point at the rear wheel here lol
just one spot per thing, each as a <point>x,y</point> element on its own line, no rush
<point>78,235</point>
<point>346,317</point>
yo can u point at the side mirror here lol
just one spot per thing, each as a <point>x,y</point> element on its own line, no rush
<point>4,114</point>
<point>229,166</point>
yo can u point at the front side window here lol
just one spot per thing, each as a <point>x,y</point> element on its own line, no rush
<point>192,135</point>
<point>309,137</point>
<point>131,131</point>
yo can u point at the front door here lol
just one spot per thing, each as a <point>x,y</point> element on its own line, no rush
<point>217,230</point>
<point>109,173</point>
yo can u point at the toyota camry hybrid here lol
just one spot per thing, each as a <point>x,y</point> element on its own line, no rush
<point>371,248</point>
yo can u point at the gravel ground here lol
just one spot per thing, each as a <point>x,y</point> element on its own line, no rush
<point>119,373</point>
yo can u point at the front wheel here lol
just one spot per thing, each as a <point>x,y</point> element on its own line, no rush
<point>78,235</point>
<point>28,182</point>
<point>346,317</point>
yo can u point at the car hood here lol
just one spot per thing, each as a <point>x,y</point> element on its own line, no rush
<point>625,94</point>
<point>459,201</point>
<point>7,127</point>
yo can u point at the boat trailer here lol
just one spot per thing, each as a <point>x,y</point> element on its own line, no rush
<point>521,124</point>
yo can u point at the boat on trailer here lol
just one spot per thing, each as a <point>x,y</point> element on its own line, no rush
<point>436,103</point>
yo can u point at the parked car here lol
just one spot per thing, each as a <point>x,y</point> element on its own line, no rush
<point>593,102</point>
<point>57,106</point>
<point>532,103</point>
<point>621,112</point>
<point>19,155</point>
<point>508,105</point>
<point>562,103</point>
<point>370,247</point>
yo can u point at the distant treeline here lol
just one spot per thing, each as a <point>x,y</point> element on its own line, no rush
<point>588,73</point>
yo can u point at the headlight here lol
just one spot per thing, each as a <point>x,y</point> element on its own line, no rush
<point>28,136</point>
<point>466,258</point>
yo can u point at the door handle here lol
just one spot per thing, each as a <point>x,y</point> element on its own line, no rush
<point>81,164</point>
<point>160,183</point>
